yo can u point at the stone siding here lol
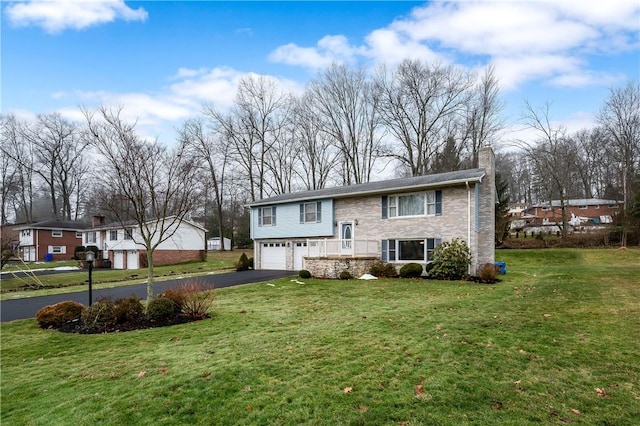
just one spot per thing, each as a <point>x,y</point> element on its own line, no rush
<point>331,267</point>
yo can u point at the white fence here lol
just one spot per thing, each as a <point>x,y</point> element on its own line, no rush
<point>352,248</point>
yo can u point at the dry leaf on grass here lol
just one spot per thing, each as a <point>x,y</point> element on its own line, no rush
<point>575,411</point>
<point>601,392</point>
<point>419,390</point>
<point>347,390</point>
<point>142,373</point>
<point>497,405</point>
<point>164,370</point>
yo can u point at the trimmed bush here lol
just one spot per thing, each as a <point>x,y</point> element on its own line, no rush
<point>161,309</point>
<point>304,274</point>
<point>128,309</point>
<point>100,316</point>
<point>243,263</point>
<point>487,273</point>
<point>451,260</point>
<point>345,275</point>
<point>57,315</point>
<point>411,270</point>
<point>383,270</point>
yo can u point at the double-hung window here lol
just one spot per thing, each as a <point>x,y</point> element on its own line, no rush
<point>427,203</point>
<point>113,235</point>
<point>311,212</point>
<point>90,237</point>
<point>267,216</point>
<point>56,233</point>
<point>128,234</point>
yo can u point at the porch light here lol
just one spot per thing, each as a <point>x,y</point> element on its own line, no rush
<point>90,257</point>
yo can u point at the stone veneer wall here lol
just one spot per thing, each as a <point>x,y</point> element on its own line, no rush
<point>331,267</point>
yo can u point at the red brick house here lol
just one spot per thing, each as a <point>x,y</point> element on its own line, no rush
<point>592,209</point>
<point>56,238</point>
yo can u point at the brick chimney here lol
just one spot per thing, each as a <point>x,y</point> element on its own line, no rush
<point>97,220</point>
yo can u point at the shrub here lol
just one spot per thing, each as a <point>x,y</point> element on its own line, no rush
<point>251,263</point>
<point>177,296</point>
<point>411,270</point>
<point>78,253</point>
<point>161,309</point>
<point>128,309</point>
<point>304,274</point>
<point>451,260</point>
<point>198,299</point>
<point>487,273</point>
<point>383,270</point>
<point>345,275</point>
<point>243,263</point>
<point>59,314</point>
<point>100,316</point>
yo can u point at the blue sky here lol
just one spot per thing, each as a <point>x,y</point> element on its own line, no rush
<point>162,60</point>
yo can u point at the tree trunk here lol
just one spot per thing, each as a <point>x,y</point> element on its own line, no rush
<point>149,276</point>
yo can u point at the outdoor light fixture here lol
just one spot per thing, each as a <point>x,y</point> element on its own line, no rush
<point>90,257</point>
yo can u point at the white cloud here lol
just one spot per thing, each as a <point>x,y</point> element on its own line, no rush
<point>546,40</point>
<point>56,16</point>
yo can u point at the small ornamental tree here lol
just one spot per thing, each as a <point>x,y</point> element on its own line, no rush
<point>451,260</point>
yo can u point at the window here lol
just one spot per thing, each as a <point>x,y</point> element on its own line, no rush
<point>266,216</point>
<point>417,204</point>
<point>128,234</point>
<point>113,235</point>
<point>26,233</point>
<point>78,234</point>
<point>418,250</point>
<point>90,237</point>
<point>310,212</point>
<point>56,233</point>
<point>582,207</point>
<point>56,249</point>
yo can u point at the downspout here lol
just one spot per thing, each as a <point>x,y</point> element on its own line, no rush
<point>468,220</point>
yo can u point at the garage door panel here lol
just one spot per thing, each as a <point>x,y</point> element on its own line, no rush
<point>273,256</point>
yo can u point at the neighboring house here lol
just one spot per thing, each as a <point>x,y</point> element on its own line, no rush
<point>50,240</point>
<point>398,221</point>
<point>214,243</point>
<point>592,210</point>
<point>117,244</point>
<point>517,209</point>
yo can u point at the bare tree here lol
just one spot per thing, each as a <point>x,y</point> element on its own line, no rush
<point>482,121</point>
<point>347,107</point>
<point>210,149</point>
<point>20,152</point>
<point>155,183</point>
<point>620,119</point>
<point>417,103</point>
<point>318,156</point>
<point>552,166</point>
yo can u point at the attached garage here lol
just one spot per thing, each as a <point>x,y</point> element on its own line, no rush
<point>132,259</point>
<point>273,256</point>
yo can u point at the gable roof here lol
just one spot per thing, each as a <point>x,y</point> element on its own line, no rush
<point>134,224</point>
<point>56,225</point>
<point>380,187</point>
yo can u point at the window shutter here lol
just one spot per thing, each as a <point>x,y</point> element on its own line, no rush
<point>385,206</point>
<point>273,216</point>
<point>319,211</point>
<point>259,221</point>
<point>64,249</point>
<point>302,213</point>
<point>385,256</point>
<point>392,250</point>
<point>438,203</point>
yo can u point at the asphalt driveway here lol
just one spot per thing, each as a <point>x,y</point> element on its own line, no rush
<point>11,310</point>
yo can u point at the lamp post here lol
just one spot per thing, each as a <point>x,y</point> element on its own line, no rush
<point>89,257</point>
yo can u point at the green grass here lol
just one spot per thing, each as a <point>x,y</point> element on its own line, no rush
<point>532,349</point>
<point>28,287</point>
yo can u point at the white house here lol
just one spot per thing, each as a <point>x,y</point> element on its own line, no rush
<point>121,244</point>
<point>402,220</point>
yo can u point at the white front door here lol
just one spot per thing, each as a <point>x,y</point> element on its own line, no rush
<point>299,251</point>
<point>346,237</point>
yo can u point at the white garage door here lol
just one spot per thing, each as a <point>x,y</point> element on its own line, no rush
<point>118,259</point>
<point>273,256</point>
<point>299,250</point>
<point>132,260</point>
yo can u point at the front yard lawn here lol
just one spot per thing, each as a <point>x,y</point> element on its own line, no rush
<point>555,342</point>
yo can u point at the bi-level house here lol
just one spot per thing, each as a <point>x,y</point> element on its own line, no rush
<point>347,228</point>
<point>50,240</point>
<point>119,244</point>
